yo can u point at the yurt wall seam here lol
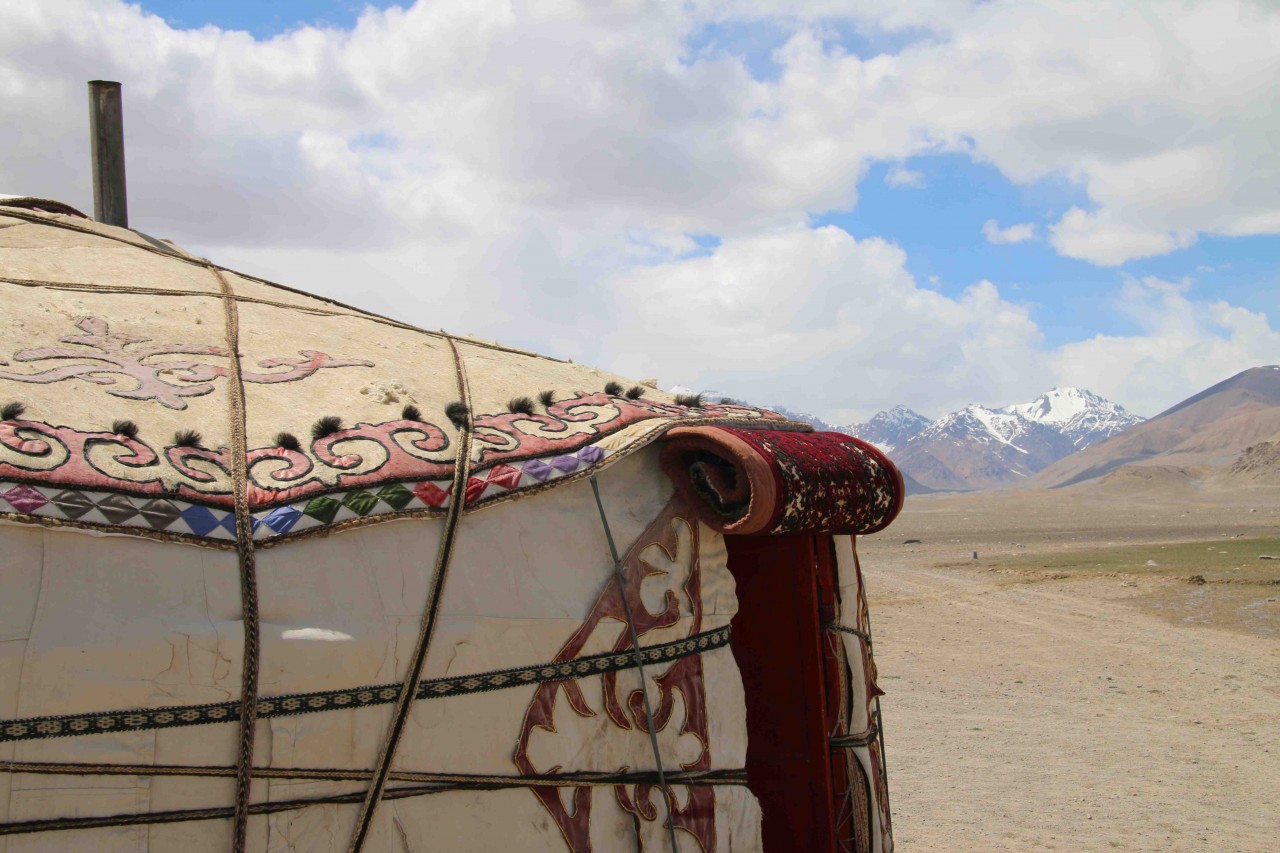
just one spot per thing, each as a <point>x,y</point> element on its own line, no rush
<point>431,609</point>
<point>248,568</point>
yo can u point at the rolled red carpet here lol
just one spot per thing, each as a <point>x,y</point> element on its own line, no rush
<point>745,481</point>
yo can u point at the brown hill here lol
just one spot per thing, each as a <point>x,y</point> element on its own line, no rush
<point>1258,464</point>
<point>1211,428</point>
<point>914,486</point>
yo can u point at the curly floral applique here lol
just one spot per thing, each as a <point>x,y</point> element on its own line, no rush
<point>676,537</point>
<point>102,357</point>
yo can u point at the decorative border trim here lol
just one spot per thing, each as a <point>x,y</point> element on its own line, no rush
<point>118,512</point>
<point>99,722</point>
<point>165,517</point>
<point>168,516</point>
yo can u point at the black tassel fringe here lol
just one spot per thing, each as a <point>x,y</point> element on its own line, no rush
<point>327,425</point>
<point>458,413</point>
<point>187,438</point>
<point>126,428</point>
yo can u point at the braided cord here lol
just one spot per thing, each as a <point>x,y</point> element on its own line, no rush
<point>428,624</point>
<point>248,567</point>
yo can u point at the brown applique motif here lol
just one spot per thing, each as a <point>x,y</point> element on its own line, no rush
<point>685,676</point>
<point>106,358</point>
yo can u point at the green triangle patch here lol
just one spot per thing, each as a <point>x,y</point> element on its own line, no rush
<point>395,495</point>
<point>361,502</point>
<point>323,509</point>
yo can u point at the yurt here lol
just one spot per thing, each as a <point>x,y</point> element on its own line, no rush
<point>280,574</point>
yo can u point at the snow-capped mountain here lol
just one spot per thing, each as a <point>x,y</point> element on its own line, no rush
<point>979,447</point>
<point>1081,415</point>
<point>889,429</point>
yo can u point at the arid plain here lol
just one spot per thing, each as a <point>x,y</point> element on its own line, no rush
<point>1104,676</point>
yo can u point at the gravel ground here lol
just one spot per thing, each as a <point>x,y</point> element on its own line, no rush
<point>1036,711</point>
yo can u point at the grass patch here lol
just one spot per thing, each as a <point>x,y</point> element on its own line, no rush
<point>1222,561</point>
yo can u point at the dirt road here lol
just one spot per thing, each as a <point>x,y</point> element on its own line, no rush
<point>1033,713</point>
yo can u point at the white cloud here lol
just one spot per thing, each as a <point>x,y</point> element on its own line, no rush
<point>1013,234</point>
<point>816,319</point>
<point>1105,240</point>
<point>452,118</point>
<point>822,322</point>
<point>900,176</point>
<point>440,160</point>
<point>1142,105</point>
<point>1182,345</point>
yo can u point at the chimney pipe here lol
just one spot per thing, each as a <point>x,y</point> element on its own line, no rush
<point>106,140</point>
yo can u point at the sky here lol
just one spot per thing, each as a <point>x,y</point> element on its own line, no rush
<point>832,206</point>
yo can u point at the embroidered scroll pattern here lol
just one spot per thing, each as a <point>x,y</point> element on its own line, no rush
<point>89,477</point>
<point>113,359</point>
<point>675,537</point>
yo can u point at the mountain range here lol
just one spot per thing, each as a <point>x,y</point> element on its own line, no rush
<point>979,447</point>
<point>1230,431</point>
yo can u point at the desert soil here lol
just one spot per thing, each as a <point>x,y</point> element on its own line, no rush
<point>1037,709</point>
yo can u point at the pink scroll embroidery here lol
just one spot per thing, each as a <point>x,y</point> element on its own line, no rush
<point>113,359</point>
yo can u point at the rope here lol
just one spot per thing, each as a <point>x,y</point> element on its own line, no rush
<point>174,254</point>
<point>338,774</point>
<point>667,799</point>
<point>27,827</point>
<point>183,815</point>
<point>863,739</point>
<point>845,629</point>
<point>428,624</point>
<point>139,290</point>
<point>248,567</point>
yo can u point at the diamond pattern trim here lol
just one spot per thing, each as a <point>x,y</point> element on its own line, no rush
<point>24,498</point>
<point>73,504</point>
<point>160,513</point>
<point>169,515</point>
<point>117,509</point>
<point>93,508</point>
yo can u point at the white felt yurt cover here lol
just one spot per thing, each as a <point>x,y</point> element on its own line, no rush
<point>222,500</point>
